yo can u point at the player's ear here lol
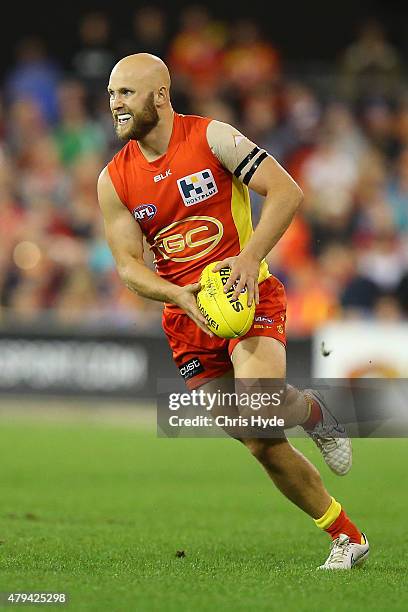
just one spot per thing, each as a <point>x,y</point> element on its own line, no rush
<point>162,96</point>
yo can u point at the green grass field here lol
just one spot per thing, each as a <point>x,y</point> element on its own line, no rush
<point>99,511</point>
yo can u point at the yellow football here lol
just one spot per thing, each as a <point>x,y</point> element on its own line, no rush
<point>226,317</point>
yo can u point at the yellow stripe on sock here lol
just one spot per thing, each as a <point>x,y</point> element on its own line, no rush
<point>331,514</point>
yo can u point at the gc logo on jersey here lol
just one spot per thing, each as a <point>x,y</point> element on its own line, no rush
<point>144,212</point>
<point>189,238</point>
<point>197,187</point>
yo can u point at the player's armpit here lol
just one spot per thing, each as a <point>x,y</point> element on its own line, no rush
<point>234,151</point>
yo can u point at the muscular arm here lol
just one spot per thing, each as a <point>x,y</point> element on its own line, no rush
<point>265,175</point>
<point>282,199</point>
<point>262,173</point>
<point>125,240</point>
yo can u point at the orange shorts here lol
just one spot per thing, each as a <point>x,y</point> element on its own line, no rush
<point>201,358</point>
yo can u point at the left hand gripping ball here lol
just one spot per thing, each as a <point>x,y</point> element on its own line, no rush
<point>226,317</point>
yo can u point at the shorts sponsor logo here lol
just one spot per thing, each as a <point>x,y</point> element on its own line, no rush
<point>197,187</point>
<point>264,322</point>
<point>189,239</point>
<point>191,368</point>
<point>263,319</point>
<point>144,212</point>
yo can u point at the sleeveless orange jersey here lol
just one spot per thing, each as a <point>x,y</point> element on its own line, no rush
<point>191,210</point>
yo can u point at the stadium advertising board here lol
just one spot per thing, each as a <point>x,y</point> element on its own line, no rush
<point>63,364</point>
<point>88,364</point>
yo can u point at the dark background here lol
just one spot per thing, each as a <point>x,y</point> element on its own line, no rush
<point>303,31</point>
<point>330,105</point>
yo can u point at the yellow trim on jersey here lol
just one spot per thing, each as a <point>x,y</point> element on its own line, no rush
<point>241,213</point>
<point>331,514</point>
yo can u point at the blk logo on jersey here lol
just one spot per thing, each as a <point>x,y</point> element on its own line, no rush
<point>197,187</point>
<point>161,177</point>
<point>144,212</point>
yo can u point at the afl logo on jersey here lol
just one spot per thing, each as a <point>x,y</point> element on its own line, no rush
<point>144,212</point>
<point>197,187</point>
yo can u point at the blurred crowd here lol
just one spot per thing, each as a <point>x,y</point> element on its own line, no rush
<point>342,135</point>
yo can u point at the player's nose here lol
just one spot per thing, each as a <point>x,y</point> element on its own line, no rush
<point>116,106</point>
<point>116,102</point>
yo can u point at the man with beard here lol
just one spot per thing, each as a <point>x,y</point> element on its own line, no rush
<point>181,181</point>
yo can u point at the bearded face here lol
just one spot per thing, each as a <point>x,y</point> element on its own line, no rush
<point>132,125</point>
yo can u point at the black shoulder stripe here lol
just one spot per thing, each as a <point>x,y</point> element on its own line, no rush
<point>251,171</point>
<point>244,162</point>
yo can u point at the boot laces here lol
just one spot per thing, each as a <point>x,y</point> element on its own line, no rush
<point>338,550</point>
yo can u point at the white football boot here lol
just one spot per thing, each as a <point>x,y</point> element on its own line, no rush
<point>331,438</point>
<point>345,555</point>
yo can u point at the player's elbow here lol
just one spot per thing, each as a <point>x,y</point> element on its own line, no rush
<point>289,195</point>
<point>129,281</point>
<point>297,197</point>
<point>123,272</point>
<point>128,274</point>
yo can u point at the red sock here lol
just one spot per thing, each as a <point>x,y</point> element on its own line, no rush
<point>315,415</point>
<point>342,524</point>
